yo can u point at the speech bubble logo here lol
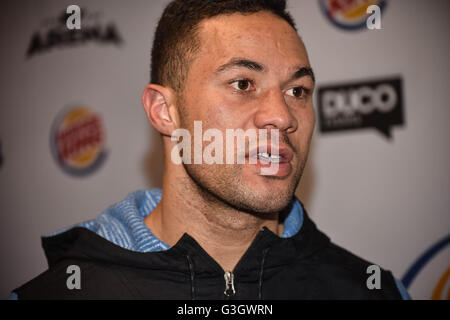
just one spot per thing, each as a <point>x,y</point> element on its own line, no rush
<point>367,104</point>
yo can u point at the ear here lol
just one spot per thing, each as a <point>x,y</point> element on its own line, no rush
<point>158,103</point>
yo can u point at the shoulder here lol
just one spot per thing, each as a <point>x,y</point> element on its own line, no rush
<point>76,279</point>
<point>354,277</point>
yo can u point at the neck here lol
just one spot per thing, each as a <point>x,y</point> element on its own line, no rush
<point>223,232</point>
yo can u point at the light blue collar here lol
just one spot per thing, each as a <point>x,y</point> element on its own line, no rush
<point>123,223</point>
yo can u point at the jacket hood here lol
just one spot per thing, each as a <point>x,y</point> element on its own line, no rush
<point>121,258</point>
<point>119,236</point>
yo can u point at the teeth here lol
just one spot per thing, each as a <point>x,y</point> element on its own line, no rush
<point>269,157</point>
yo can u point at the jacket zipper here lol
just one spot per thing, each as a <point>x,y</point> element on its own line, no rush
<point>229,284</point>
<point>230,291</point>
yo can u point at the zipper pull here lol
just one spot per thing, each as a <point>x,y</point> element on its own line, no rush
<point>229,284</point>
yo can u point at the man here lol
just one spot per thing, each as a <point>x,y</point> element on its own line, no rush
<point>216,230</point>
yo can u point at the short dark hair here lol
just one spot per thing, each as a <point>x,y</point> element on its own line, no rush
<point>176,41</point>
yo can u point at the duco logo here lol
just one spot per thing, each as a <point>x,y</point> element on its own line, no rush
<point>365,100</point>
<point>370,104</point>
<point>351,14</point>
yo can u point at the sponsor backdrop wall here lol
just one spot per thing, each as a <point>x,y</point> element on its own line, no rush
<point>74,137</point>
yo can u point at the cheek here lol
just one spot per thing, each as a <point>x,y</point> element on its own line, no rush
<point>312,119</point>
<point>219,111</point>
<point>306,124</point>
<point>308,115</point>
<point>305,117</point>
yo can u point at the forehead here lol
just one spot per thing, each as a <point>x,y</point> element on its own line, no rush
<point>261,37</point>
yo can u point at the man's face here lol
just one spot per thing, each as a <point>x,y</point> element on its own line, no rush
<point>246,75</point>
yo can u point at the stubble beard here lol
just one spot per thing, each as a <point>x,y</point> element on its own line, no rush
<point>224,185</point>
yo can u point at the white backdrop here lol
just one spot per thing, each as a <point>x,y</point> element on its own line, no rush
<point>385,200</point>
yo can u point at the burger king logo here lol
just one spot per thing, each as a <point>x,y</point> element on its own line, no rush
<point>77,140</point>
<point>349,14</point>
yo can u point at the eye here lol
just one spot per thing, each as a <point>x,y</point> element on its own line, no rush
<point>242,84</point>
<point>297,92</point>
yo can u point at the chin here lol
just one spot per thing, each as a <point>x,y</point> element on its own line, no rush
<point>258,197</point>
<point>244,190</point>
<point>267,194</point>
<point>271,202</point>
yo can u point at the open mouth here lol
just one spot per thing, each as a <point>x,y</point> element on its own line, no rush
<point>284,154</point>
<point>270,158</point>
<point>279,161</point>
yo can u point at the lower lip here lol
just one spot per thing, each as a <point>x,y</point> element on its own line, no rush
<point>284,168</point>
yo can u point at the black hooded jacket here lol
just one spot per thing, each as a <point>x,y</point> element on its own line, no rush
<point>304,266</point>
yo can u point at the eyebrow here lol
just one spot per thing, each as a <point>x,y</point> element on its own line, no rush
<point>255,66</point>
<point>302,72</point>
<point>241,62</point>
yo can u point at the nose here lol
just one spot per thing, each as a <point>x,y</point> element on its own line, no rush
<point>274,113</point>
